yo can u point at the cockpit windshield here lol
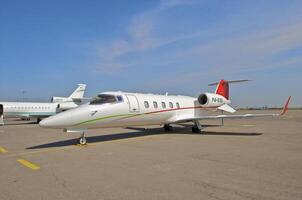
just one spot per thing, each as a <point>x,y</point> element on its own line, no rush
<point>103,98</point>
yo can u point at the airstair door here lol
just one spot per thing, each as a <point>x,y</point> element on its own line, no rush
<point>133,103</point>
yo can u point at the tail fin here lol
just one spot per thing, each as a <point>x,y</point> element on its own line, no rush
<point>223,87</point>
<point>79,92</point>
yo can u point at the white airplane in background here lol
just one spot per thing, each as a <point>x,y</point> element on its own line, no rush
<point>122,109</point>
<point>74,100</point>
<point>40,110</point>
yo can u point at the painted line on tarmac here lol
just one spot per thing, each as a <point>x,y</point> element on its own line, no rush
<point>3,150</point>
<point>28,164</point>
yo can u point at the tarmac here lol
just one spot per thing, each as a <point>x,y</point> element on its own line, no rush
<point>244,159</point>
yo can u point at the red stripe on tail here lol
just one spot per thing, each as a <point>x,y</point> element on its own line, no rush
<point>223,88</point>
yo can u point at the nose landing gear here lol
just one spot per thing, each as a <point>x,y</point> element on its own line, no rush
<point>82,139</point>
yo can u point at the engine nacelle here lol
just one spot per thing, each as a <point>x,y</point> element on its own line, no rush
<point>59,99</point>
<point>211,99</point>
<point>68,105</point>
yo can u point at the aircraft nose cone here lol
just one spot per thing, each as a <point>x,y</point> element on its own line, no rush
<point>47,123</point>
<point>57,121</point>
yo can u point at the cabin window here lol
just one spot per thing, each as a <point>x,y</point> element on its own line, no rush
<point>155,105</point>
<point>171,104</point>
<point>103,98</point>
<point>177,105</point>
<point>119,98</point>
<point>163,104</point>
<point>146,103</point>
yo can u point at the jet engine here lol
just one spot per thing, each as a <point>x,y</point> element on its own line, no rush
<point>59,99</point>
<point>210,100</point>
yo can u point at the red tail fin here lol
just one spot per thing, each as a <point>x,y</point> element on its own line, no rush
<point>223,89</point>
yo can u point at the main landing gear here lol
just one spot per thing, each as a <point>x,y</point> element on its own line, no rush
<point>197,127</point>
<point>82,139</point>
<point>38,120</point>
<point>168,128</point>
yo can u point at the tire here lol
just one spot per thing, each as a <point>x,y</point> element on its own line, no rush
<point>195,129</point>
<point>167,128</point>
<point>82,141</point>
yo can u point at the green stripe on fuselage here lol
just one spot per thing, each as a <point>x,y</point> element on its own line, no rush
<point>102,118</point>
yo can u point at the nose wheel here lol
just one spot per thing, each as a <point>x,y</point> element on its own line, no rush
<point>82,140</point>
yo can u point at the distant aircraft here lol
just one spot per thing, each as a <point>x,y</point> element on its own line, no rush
<point>40,110</point>
<point>122,109</point>
<point>74,100</point>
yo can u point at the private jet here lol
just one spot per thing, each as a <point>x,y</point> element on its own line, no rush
<point>39,110</point>
<point>124,109</point>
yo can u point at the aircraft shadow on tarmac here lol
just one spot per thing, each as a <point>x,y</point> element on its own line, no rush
<point>140,132</point>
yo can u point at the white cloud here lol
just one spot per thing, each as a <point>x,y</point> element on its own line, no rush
<point>221,50</point>
<point>141,37</point>
<point>225,57</point>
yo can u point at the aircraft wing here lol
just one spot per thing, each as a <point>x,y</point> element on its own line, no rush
<point>185,119</point>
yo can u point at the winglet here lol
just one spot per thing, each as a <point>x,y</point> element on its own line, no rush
<point>285,108</point>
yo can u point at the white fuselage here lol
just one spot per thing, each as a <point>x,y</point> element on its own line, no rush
<point>134,109</point>
<point>29,109</point>
<point>40,109</point>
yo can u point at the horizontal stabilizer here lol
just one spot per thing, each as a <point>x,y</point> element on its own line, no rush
<point>222,87</point>
<point>235,81</point>
<point>227,108</point>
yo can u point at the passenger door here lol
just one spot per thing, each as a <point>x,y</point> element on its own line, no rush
<point>133,103</point>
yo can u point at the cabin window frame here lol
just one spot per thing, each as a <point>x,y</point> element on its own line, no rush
<point>98,99</point>
<point>146,104</point>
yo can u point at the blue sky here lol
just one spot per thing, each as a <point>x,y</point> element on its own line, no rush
<point>175,46</point>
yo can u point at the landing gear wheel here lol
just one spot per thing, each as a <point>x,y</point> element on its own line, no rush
<point>195,129</point>
<point>82,141</point>
<point>168,128</point>
<point>38,120</point>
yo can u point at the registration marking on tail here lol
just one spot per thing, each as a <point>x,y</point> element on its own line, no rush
<point>28,164</point>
